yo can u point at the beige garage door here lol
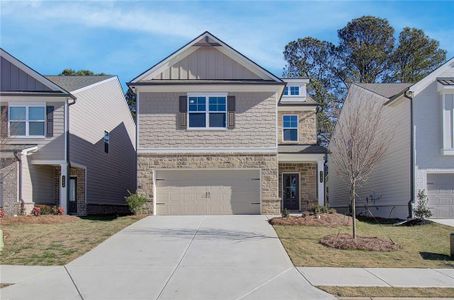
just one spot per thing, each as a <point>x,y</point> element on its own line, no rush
<point>207,192</point>
<point>440,191</point>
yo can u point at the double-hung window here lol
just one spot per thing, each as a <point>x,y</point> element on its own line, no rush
<point>27,120</point>
<point>207,111</point>
<point>290,128</point>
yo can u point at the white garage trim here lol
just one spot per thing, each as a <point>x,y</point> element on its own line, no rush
<point>154,172</point>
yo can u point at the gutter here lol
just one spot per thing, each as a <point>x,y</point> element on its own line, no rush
<point>68,162</point>
<point>409,95</point>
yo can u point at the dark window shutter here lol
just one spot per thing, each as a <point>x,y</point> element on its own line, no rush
<point>49,121</point>
<point>231,107</point>
<point>4,124</point>
<point>182,113</point>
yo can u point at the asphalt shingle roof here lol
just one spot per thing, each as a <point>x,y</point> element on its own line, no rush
<point>302,149</point>
<point>387,90</point>
<point>72,83</point>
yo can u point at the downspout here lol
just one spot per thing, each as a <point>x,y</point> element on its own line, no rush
<point>68,162</point>
<point>16,155</point>
<point>409,96</point>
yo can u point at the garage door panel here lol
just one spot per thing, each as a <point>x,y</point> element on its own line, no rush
<point>440,192</point>
<point>213,192</point>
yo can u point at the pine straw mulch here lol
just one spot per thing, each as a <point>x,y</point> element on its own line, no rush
<point>44,219</point>
<point>346,242</point>
<point>326,219</point>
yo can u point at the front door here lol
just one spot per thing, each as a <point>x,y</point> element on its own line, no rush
<point>291,191</point>
<point>72,200</point>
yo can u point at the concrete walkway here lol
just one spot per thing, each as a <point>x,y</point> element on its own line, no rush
<point>185,257</point>
<point>448,222</point>
<point>379,277</point>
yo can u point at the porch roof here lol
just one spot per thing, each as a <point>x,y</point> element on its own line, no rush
<point>302,149</point>
<point>15,147</point>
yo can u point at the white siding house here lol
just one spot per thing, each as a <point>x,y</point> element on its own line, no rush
<point>425,111</point>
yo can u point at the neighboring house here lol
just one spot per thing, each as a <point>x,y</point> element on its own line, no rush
<point>67,141</point>
<point>421,155</point>
<point>216,135</point>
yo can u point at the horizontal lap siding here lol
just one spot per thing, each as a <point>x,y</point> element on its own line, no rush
<point>255,124</point>
<point>389,182</point>
<point>109,176</point>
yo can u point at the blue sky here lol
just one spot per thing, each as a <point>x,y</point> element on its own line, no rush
<point>125,38</point>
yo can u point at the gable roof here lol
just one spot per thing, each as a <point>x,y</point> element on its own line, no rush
<point>23,75</point>
<point>74,83</point>
<point>387,90</point>
<point>423,83</point>
<point>206,39</point>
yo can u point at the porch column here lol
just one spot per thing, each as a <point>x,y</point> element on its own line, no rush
<point>321,182</point>
<point>63,186</point>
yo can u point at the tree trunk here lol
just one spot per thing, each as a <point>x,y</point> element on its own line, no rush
<point>353,201</point>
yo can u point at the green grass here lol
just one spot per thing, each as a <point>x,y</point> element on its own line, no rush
<point>422,246</point>
<point>388,292</point>
<point>57,244</point>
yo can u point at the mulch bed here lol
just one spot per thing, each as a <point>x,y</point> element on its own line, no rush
<point>346,242</point>
<point>327,219</point>
<point>45,219</point>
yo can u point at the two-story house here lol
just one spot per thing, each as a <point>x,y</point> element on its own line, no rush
<point>218,134</point>
<point>65,140</point>
<point>420,156</point>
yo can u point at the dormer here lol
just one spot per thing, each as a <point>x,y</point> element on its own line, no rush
<point>295,89</point>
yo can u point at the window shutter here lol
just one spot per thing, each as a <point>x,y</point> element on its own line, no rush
<point>231,107</point>
<point>183,111</point>
<point>4,124</point>
<point>49,121</point>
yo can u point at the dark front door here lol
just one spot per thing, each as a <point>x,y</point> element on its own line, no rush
<point>72,200</point>
<point>291,191</point>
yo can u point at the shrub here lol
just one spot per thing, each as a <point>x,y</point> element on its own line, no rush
<point>136,202</point>
<point>36,211</point>
<point>47,210</point>
<point>2,213</point>
<point>60,211</point>
<point>422,210</point>
<point>321,209</point>
<point>285,213</point>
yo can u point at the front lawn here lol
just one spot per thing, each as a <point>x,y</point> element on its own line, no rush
<point>59,242</point>
<point>388,292</point>
<point>421,246</point>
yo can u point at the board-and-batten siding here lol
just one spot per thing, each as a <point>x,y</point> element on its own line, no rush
<point>109,176</point>
<point>206,63</point>
<point>49,148</point>
<point>389,183</point>
<point>255,123</point>
<point>14,79</point>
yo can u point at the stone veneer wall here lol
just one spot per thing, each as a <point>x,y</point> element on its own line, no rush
<point>146,163</point>
<point>307,127</point>
<point>8,175</point>
<point>308,182</point>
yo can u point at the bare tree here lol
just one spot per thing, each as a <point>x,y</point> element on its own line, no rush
<point>361,138</point>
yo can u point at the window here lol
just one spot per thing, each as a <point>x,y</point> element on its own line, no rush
<point>27,121</point>
<point>207,111</point>
<point>292,90</point>
<point>106,140</point>
<point>290,127</point>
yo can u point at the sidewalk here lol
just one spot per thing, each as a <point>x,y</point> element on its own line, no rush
<point>379,277</point>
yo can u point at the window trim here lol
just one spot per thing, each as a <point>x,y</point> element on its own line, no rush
<point>27,120</point>
<point>446,148</point>
<point>297,129</point>
<point>289,93</point>
<point>207,110</point>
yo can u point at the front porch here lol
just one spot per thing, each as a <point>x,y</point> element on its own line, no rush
<point>301,177</point>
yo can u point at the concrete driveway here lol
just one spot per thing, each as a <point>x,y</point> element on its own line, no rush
<point>448,222</point>
<point>184,257</point>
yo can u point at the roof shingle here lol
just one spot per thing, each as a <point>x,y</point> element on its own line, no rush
<point>73,83</point>
<point>387,90</point>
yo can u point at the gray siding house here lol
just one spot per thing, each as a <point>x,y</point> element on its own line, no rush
<point>421,155</point>
<point>65,140</point>
<point>218,134</point>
